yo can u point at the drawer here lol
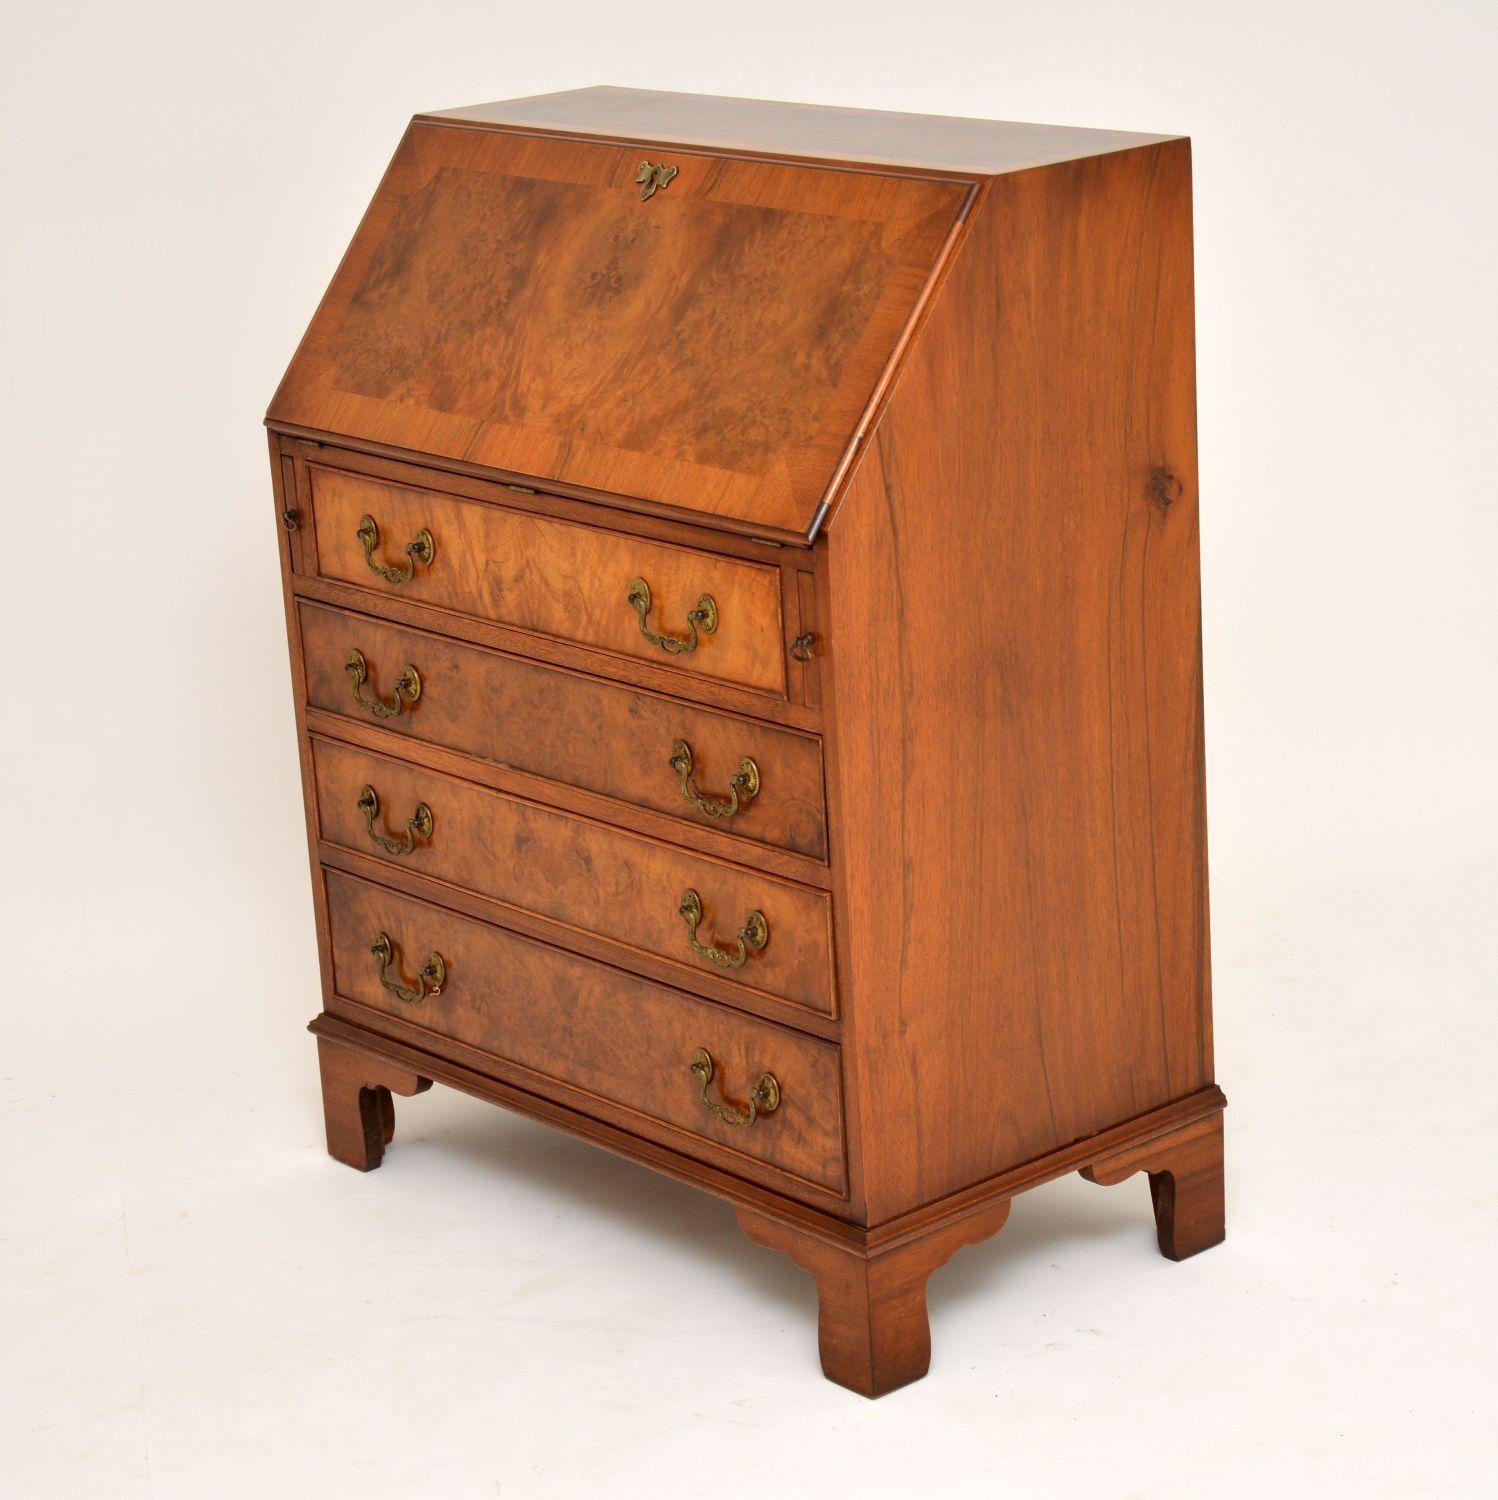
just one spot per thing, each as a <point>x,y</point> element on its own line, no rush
<point>583,732</point>
<point>581,873</point>
<point>611,1037</point>
<point>709,616</point>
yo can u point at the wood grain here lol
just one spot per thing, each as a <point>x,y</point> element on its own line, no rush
<point>357,1107</point>
<point>388,1039</point>
<point>510,300</point>
<point>595,1029</point>
<point>553,577</point>
<point>1186,1184</point>
<point>580,873</point>
<point>568,728</point>
<point>983,394</point>
<point>942,143</point>
<point>873,1332</point>
<point>1017,690</point>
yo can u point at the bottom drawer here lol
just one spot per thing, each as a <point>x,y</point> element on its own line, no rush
<point>570,1020</point>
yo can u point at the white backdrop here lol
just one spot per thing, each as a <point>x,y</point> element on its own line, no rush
<point>194,1301</point>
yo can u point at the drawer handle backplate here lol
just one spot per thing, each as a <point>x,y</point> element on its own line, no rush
<point>705,616</point>
<point>422,551</point>
<point>753,935</point>
<point>407,687</point>
<point>743,786</point>
<point>765,1099</point>
<point>418,825</point>
<point>429,981</point>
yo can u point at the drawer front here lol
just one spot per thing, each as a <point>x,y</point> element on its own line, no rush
<point>605,1033</point>
<point>553,577</point>
<point>618,742</point>
<point>578,872</point>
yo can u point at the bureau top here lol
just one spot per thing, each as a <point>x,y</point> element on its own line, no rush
<point>943,143</point>
<point>664,302</point>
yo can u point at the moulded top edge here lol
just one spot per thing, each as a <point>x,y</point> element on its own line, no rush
<point>875,138</point>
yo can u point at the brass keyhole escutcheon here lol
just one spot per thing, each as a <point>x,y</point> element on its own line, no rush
<point>652,177</point>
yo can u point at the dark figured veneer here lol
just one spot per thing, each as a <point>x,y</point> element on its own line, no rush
<point>855,453</point>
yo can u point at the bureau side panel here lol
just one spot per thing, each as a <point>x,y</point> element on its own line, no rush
<point>1017,769</point>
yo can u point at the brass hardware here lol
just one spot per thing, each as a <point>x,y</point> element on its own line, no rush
<point>418,825</point>
<point>743,786</point>
<point>433,973</point>
<point>801,646</point>
<point>705,615</point>
<point>422,551</point>
<point>290,520</point>
<point>753,935</point>
<point>652,178</point>
<point>407,687</point>
<point>521,489</point>
<point>765,1099</point>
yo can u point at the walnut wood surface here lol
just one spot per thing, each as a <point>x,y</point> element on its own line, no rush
<point>553,577</point>
<point>1186,1184</point>
<point>817,131</point>
<point>357,1107</point>
<point>580,873</point>
<point>593,1028</point>
<point>510,300</point>
<point>658,672</point>
<point>1023,925</point>
<point>990,402</point>
<point>568,728</point>
<point>389,1040</point>
<point>872,1328</point>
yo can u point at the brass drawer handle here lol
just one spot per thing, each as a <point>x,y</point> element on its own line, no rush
<point>422,551</point>
<point>753,935</point>
<point>407,687</point>
<point>765,1099</point>
<point>705,615</point>
<point>743,786</point>
<point>433,973</point>
<point>418,825</point>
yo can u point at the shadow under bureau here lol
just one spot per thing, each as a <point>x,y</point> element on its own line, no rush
<point>741,572</point>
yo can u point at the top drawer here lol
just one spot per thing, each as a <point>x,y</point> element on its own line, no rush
<point>712,616</point>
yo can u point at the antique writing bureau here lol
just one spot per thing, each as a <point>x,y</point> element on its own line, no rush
<point>741,571</point>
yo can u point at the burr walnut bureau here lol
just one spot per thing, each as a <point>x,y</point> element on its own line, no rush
<point>741,573</point>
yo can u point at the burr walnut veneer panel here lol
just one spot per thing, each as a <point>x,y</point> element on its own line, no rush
<point>578,872</point>
<point>595,1029</point>
<point>568,728</point>
<point>509,299</point>
<point>552,577</point>
<point>918,414</point>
